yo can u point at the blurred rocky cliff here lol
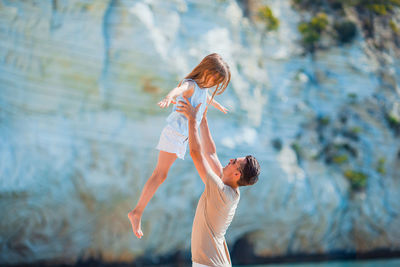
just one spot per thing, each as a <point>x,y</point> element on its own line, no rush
<point>79,83</point>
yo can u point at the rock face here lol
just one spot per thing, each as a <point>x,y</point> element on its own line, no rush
<point>79,83</point>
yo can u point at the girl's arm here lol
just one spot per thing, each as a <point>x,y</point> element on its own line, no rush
<point>186,87</point>
<point>216,105</point>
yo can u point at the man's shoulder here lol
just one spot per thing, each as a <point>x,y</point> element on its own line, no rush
<point>213,178</point>
<point>228,193</point>
<point>212,174</point>
<point>232,193</point>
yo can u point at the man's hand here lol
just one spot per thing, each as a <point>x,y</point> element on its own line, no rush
<point>187,109</point>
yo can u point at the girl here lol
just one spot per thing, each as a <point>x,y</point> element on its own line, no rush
<point>212,71</point>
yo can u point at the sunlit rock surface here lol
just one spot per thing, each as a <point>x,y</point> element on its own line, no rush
<point>79,83</point>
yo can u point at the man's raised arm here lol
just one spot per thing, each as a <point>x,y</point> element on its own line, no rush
<point>198,158</point>
<point>209,148</point>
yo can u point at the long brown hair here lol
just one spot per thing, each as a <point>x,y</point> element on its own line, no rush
<point>212,66</point>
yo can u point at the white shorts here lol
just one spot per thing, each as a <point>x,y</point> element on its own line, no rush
<point>173,142</point>
<point>195,264</point>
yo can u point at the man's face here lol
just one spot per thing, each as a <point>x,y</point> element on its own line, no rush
<point>232,170</point>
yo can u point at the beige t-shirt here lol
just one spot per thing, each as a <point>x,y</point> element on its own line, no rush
<point>214,214</point>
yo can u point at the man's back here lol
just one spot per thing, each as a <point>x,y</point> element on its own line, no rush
<point>214,213</point>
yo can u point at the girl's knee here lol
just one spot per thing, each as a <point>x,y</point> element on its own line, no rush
<point>160,176</point>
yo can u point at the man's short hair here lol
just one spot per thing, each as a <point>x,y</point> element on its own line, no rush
<point>249,172</point>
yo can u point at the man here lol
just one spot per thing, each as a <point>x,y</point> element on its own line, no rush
<point>219,200</point>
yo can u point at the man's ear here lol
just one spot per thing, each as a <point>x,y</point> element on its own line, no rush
<point>237,174</point>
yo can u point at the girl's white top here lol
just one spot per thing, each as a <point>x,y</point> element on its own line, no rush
<point>177,120</point>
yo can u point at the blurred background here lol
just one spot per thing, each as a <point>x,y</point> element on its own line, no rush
<point>314,95</point>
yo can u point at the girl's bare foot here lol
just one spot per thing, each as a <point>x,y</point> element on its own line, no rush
<point>135,219</point>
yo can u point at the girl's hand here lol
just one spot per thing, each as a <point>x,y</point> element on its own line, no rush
<point>222,108</point>
<point>165,102</point>
<point>217,105</point>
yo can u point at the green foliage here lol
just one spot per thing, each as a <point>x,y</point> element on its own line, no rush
<point>337,4</point>
<point>358,180</point>
<point>277,144</point>
<point>370,10</point>
<point>338,153</point>
<point>324,120</point>
<point>301,2</point>
<point>381,166</point>
<point>310,36</point>
<point>346,31</point>
<point>340,159</point>
<point>355,130</point>
<point>352,95</point>
<point>266,15</point>
<point>352,133</point>
<point>377,7</point>
<point>296,147</point>
<point>319,22</point>
<point>394,27</point>
<point>393,120</point>
<point>308,3</point>
<point>311,31</point>
<point>367,11</point>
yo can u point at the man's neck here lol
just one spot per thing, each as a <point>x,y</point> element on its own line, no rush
<point>233,185</point>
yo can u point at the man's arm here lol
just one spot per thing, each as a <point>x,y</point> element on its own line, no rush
<point>209,148</point>
<point>198,158</point>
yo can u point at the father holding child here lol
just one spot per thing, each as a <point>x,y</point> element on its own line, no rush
<point>218,202</point>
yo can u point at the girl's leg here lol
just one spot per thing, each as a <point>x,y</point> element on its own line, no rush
<point>165,160</point>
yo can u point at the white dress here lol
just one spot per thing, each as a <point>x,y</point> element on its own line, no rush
<point>174,136</point>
